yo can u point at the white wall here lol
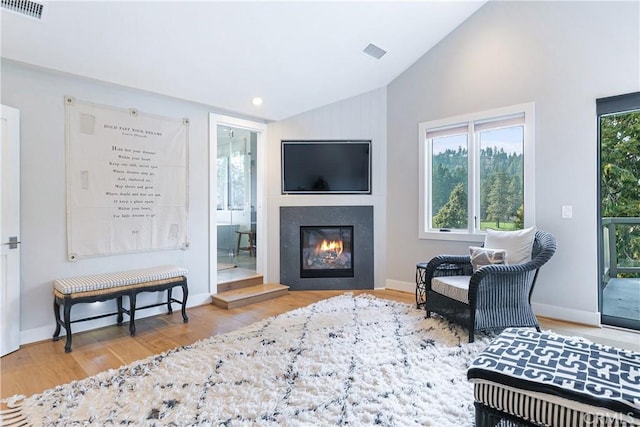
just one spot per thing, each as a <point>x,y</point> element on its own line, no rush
<point>562,56</point>
<point>359,117</point>
<point>38,94</point>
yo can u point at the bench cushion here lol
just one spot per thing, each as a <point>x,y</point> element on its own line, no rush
<point>542,370</point>
<point>97,282</point>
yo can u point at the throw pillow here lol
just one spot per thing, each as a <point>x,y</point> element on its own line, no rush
<point>518,244</point>
<point>481,257</point>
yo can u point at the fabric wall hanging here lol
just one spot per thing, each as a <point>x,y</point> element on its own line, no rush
<point>127,180</point>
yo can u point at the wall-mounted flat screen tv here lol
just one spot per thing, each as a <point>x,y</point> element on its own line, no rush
<point>342,167</point>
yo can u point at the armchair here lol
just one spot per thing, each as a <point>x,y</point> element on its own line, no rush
<point>494,297</point>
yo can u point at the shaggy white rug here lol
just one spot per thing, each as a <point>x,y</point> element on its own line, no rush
<point>346,360</point>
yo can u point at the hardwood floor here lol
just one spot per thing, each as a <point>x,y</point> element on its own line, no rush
<point>43,365</point>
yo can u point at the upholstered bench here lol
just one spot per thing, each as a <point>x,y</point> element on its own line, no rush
<point>531,378</point>
<point>102,287</point>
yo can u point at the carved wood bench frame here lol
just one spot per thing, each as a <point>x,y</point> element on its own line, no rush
<point>66,301</point>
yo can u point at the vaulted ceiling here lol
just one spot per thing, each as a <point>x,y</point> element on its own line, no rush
<point>295,55</point>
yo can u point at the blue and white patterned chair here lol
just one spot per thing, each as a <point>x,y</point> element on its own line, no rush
<point>494,297</point>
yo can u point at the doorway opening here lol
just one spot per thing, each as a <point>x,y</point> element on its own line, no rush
<point>619,210</point>
<point>235,196</point>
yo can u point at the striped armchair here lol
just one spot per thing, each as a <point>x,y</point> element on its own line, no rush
<point>495,297</point>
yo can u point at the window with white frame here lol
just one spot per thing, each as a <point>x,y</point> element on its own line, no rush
<point>476,172</point>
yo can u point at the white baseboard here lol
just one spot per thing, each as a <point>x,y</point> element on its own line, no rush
<point>397,285</point>
<point>567,314</point>
<point>543,310</point>
<point>46,332</point>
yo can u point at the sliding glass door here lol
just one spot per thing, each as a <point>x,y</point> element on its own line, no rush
<point>619,210</point>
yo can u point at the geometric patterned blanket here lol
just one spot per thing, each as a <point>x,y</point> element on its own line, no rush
<point>582,371</point>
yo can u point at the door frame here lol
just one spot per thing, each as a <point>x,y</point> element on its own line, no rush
<point>605,106</point>
<point>10,255</point>
<point>260,129</point>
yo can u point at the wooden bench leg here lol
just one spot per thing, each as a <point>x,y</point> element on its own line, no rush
<point>66,323</point>
<point>132,314</point>
<point>67,326</point>
<point>169,308</point>
<point>120,311</point>
<point>56,314</point>
<point>185,293</point>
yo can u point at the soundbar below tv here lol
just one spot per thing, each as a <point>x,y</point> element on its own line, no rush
<point>326,167</point>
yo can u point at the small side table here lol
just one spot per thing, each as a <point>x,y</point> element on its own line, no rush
<point>421,284</point>
<point>421,280</point>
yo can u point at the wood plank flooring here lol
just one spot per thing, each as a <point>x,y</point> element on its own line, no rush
<point>43,365</point>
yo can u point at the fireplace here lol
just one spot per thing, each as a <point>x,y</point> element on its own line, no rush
<point>351,224</point>
<point>326,251</point>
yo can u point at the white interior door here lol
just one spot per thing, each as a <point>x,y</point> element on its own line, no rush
<point>9,230</point>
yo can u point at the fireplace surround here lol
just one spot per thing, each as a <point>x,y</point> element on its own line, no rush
<point>354,224</point>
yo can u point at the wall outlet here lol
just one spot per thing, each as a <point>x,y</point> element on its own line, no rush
<point>567,212</point>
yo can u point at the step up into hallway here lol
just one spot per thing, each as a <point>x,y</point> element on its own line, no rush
<point>238,287</point>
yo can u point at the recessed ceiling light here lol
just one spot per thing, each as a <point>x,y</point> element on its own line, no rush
<point>257,101</point>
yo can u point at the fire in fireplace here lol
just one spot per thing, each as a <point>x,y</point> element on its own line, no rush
<point>326,251</point>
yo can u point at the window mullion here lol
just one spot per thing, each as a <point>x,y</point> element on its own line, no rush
<point>428,182</point>
<point>474,172</point>
<point>424,185</point>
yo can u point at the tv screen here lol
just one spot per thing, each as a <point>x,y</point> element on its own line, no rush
<point>326,167</point>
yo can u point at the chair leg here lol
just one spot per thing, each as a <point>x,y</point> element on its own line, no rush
<point>472,323</point>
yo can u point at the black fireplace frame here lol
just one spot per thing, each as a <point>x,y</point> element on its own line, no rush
<point>306,273</point>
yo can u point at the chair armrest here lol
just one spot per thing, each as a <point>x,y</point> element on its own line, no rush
<point>438,261</point>
<point>492,269</point>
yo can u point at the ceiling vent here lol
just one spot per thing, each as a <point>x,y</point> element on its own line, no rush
<point>28,8</point>
<point>373,51</point>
